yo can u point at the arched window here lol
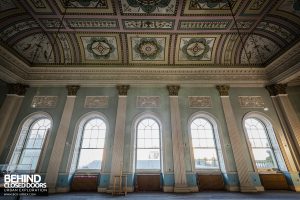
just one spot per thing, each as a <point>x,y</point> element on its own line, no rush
<point>148,145</point>
<point>30,144</point>
<point>92,144</point>
<point>261,144</point>
<point>204,144</point>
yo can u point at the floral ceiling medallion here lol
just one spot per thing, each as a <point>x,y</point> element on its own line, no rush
<point>148,6</point>
<point>148,48</point>
<point>100,48</point>
<point>196,49</point>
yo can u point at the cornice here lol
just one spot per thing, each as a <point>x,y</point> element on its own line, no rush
<point>283,69</point>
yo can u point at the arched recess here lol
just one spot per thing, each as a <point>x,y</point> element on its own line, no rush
<point>30,143</point>
<point>137,120</point>
<point>77,142</point>
<point>262,140</point>
<point>214,135</point>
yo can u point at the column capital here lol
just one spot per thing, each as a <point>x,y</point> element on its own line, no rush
<point>17,88</point>
<point>173,90</point>
<point>276,89</point>
<point>123,89</point>
<point>223,90</point>
<point>72,89</point>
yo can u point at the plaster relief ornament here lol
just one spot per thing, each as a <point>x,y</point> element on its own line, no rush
<point>148,48</point>
<point>85,3</point>
<point>210,4</point>
<point>148,6</point>
<point>196,48</point>
<point>100,48</point>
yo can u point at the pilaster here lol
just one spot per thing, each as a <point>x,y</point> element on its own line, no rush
<point>60,140</point>
<point>244,173</point>
<point>118,146</point>
<point>178,148</point>
<point>9,111</point>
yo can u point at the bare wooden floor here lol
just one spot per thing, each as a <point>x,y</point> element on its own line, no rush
<point>271,195</point>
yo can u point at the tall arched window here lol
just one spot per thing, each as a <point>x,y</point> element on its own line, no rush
<point>204,144</point>
<point>148,145</point>
<point>261,144</point>
<point>92,144</point>
<point>30,144</point>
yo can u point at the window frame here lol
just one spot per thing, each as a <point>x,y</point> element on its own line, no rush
<point>139,119</point>
<point>23,130</point>
<point>272,138</point>
<point>218,138</point>
<point>81,141</point>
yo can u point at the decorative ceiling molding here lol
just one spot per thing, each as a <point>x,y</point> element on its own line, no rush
<point>285,66</point>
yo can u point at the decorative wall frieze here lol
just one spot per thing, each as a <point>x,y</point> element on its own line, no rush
<point>200,102</point>
<point>148,101</point>
<point>44,102</point>
<point>251,101</point>
<point>223,90</point>
<point>96,101</point>
<point>72,90</point>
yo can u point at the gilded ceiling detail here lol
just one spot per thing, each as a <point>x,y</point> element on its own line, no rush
<point>168,33</point>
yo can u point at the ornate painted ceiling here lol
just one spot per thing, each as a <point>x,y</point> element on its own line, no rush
<point>170,33</point>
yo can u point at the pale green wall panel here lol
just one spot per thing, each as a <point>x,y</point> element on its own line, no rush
<point>294,96</point>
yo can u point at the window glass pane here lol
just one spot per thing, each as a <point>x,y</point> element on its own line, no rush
<point>148,159</point>
<point>205,158</point>
<point>92,144</point>
<point>261,146</point>
<point>264,158</point>
<point>90,159</point>
<point>148,145</point>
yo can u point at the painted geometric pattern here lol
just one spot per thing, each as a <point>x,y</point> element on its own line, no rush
<point>259,49</point>
<point>36,48</point>
<point>195,49</point>
<point>148,24</point>
<point>278,30</point>
<point>52,23</point>
<point>6,5</point>
<point>255,7</point>
<point>16,28</point>
<point>148,49</point>
<point>244,24</point>
<point>67,55</point>
<point>39,6</point>
<point>195,7</point>
<point>203,25</point>
<point>80,23</point>
<point>161,7</point>
<point>100,48</point>
<point>83,6</point>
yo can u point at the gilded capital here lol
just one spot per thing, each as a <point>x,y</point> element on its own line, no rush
<point>173,90</point>
<point>276,89</point>
<point>17,88</point>
<point>123,89</point>
<point>223,90</point>
<point>72,89</point>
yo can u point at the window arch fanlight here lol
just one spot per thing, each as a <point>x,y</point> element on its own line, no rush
<point>148,144</point>
<point>263,144</point>
<point>88,148</point>
<point>30,143</point>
